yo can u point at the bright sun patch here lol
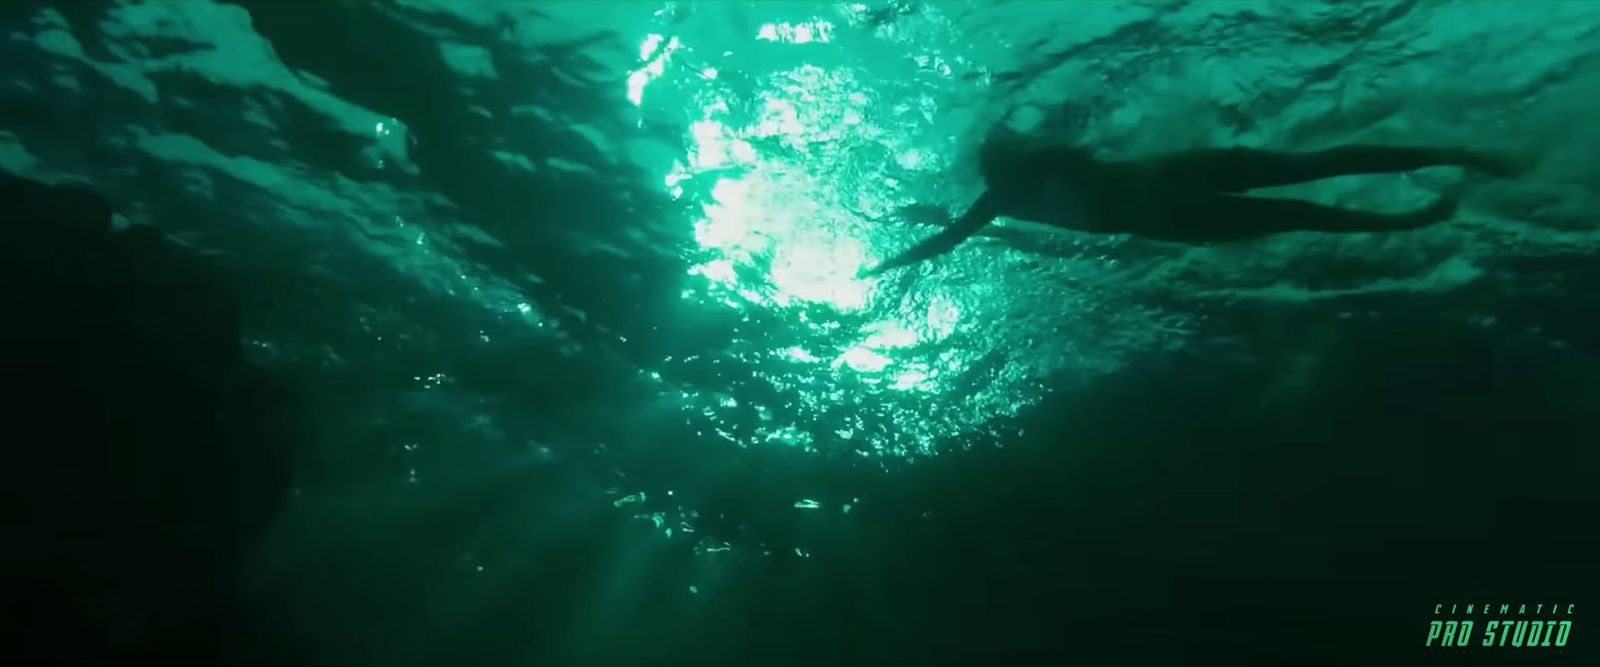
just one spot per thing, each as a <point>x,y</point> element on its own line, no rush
<point>784,172</point>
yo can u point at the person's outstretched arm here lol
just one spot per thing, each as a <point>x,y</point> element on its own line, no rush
<point>982,212</point>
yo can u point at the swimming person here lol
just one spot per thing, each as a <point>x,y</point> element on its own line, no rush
<point>1192,196</point>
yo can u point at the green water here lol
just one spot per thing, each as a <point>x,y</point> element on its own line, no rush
<point>572,288</point>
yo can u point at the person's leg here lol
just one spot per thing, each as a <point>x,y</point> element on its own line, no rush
<point>1236,170</point>
<point>1221,218</point>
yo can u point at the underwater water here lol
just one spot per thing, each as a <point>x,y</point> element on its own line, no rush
<point>569,292</point>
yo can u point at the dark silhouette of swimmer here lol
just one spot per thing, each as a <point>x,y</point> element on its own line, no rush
<point>1194,196</point>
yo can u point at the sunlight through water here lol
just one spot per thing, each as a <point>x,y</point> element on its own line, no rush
<point>781,163</point>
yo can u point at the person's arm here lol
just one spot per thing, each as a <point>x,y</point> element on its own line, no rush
<point>982,212</point>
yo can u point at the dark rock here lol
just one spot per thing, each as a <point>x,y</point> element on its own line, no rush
<point>145,452</point>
